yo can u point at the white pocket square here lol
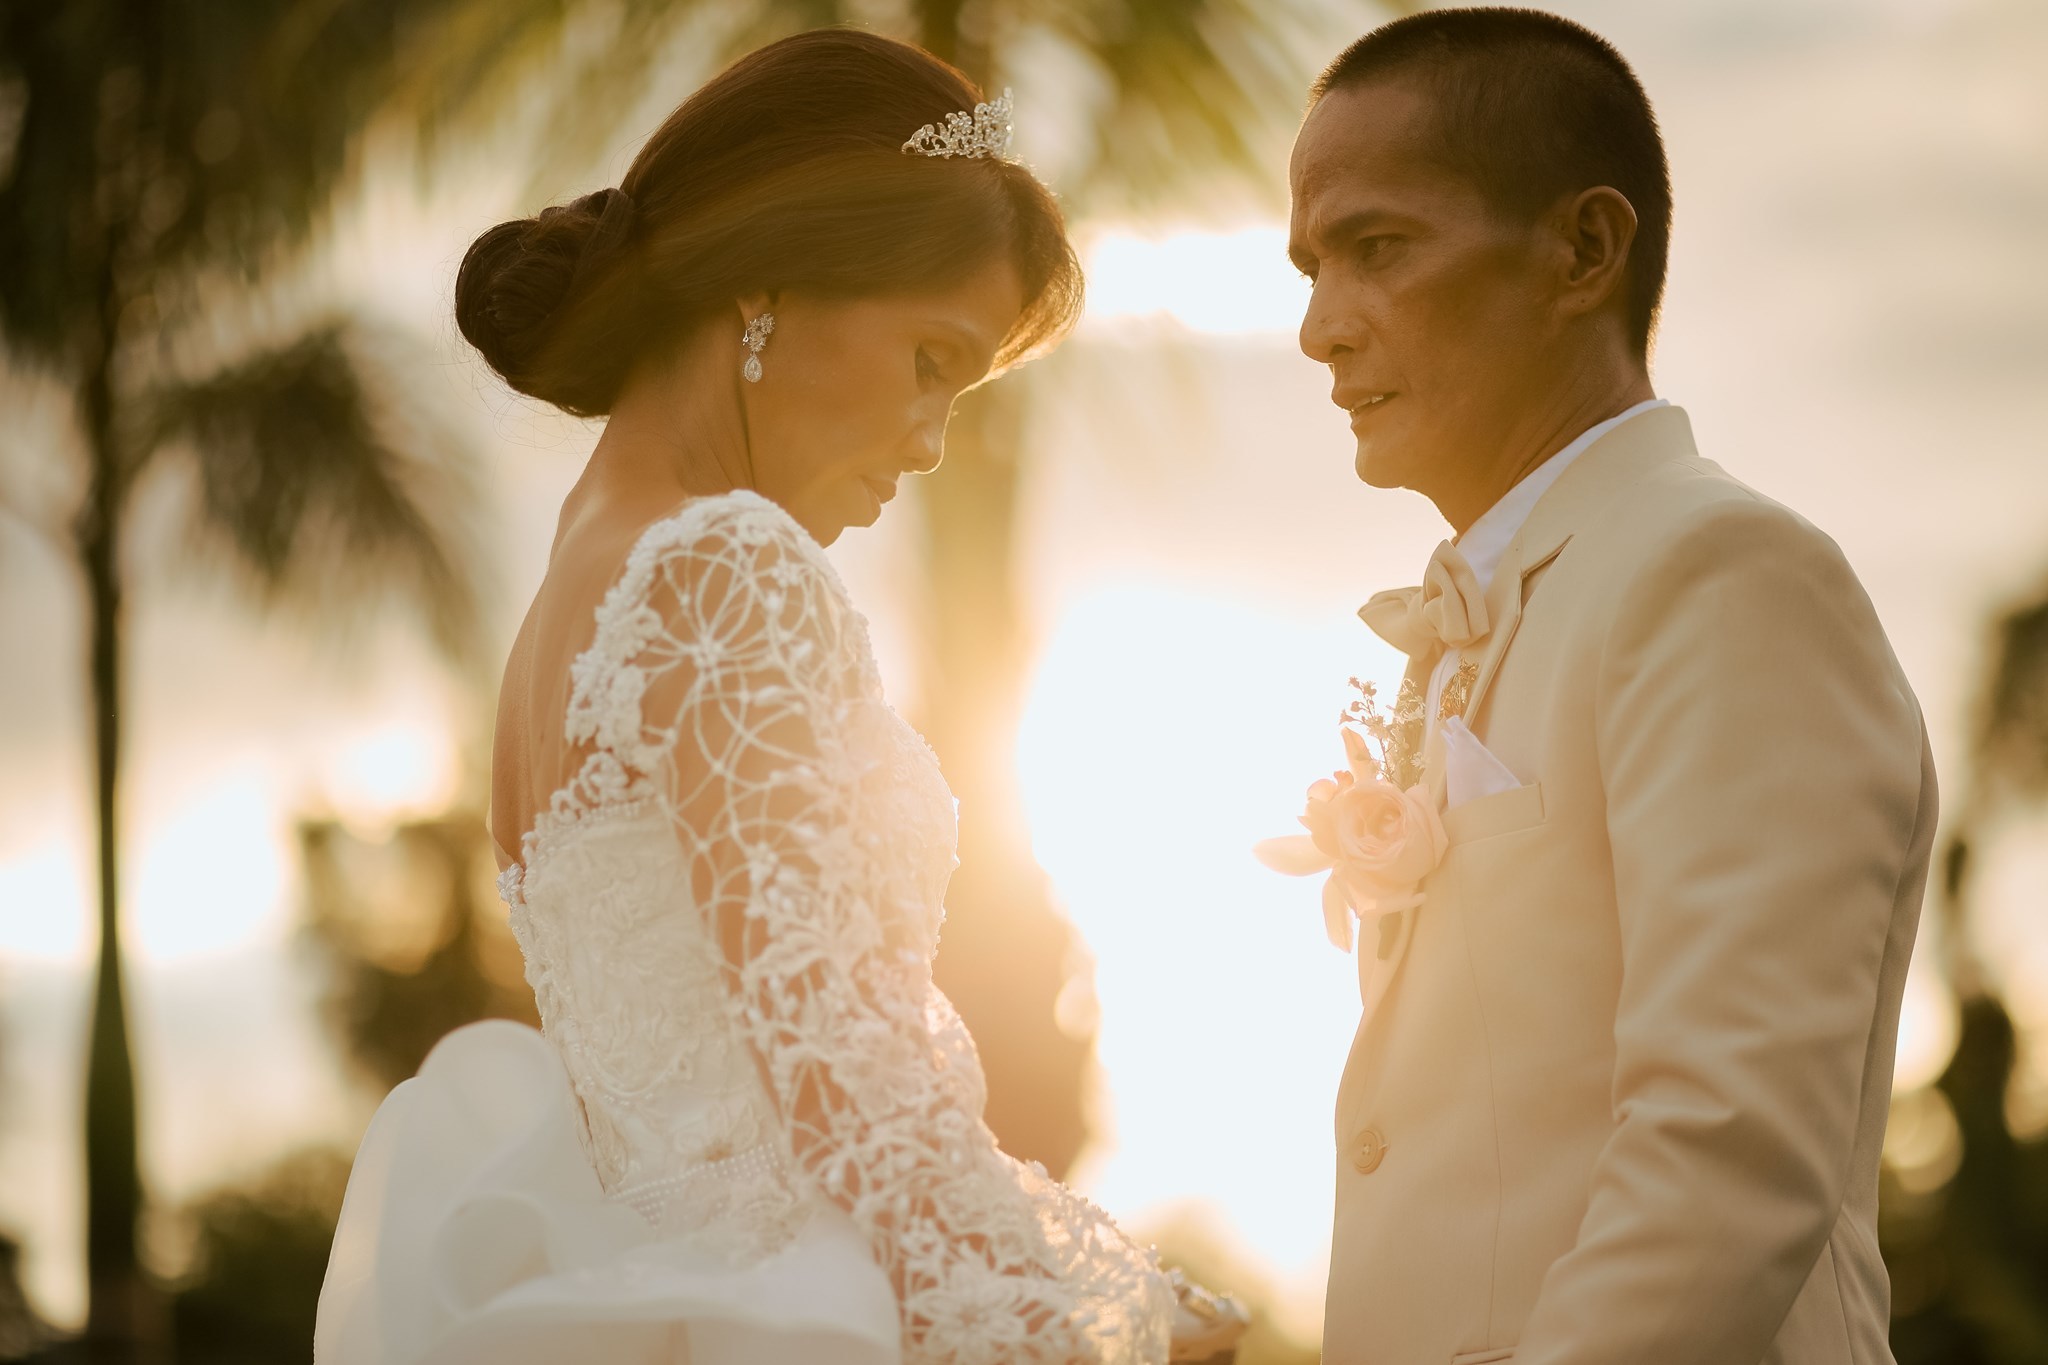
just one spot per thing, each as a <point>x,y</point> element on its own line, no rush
<point>1470,769</point>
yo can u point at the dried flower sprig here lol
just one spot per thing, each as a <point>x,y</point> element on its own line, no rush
<point>1398,733</point>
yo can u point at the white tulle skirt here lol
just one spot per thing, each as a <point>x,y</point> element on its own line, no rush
<point>474,1232</point>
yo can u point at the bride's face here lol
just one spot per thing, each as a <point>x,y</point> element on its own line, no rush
<point>855,392</point>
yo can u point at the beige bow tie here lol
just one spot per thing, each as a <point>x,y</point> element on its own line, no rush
<point>1447,612</point>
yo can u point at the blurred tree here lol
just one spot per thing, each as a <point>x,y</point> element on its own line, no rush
<point>1969,1259</point>
<point>259,1254</point>
<point>2008,773</point>
<point>412,937</point>
<point>1969,1256</point>
<point>1178,100</point>
<point>155,159</point>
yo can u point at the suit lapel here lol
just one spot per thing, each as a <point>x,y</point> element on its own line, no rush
<point>1504,599</point>
<point>1504,612</point>
<point>1389,948</point>
<point>1601,471</point>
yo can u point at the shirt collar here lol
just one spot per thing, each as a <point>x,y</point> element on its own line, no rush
<point>1487,539</point>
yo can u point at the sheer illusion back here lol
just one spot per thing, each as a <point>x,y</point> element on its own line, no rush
<point>532,756</point>
<point>728,910</point>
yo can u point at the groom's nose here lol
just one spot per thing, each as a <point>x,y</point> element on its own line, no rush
<point>1326,334</point>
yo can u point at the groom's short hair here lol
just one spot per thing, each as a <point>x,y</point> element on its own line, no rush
<point>1531,106</point>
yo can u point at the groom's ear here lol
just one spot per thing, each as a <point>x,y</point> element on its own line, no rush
<point>1596,229</point>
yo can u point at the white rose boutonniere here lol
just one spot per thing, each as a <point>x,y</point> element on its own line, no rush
<point>1373,827</point>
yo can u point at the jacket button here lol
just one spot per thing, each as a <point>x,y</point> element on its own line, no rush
<point>1367,1151</point>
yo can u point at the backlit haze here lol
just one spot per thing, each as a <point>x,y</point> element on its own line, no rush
<point>1857,324</point>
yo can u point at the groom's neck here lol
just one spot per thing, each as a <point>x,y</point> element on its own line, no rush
<point>1545,426</point>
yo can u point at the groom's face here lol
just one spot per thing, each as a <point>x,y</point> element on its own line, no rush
<point>1429,306</point>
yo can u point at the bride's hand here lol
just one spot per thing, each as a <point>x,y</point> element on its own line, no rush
<point>1205,1324</point>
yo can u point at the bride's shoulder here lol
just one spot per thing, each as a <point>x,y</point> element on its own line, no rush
<point>741,538</point>
<point>729,567</point>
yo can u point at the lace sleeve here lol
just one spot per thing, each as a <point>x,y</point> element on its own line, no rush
<point>750,665</point>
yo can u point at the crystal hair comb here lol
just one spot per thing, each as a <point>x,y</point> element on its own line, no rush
<point>983,133</point>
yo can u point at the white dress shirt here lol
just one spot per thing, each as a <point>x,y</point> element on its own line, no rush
<point>1487,539</point>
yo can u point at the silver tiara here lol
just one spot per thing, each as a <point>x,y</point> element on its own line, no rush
<point>983,133</point>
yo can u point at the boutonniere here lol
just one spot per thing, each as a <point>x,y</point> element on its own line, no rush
<point>1372,826</point>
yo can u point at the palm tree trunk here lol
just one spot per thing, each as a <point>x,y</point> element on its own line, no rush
<point>956,31</point>
<point>123,1321</point>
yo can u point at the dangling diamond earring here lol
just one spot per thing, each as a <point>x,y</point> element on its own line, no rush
<point>755,337</point>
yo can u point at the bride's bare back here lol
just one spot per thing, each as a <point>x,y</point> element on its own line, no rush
<point>530,760</point>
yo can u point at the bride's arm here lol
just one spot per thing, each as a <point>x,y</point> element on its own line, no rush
<point>750,664</point>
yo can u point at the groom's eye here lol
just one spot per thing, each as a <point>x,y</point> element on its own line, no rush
<point>1369,247</point>
<point>927,368</point>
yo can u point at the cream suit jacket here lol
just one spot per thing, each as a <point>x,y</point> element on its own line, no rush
<point>1621,1084</point>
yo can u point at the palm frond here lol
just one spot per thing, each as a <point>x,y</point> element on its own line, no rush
<point>2012,735</point>
<point>482,61</point>
<point>1191,92</point>
<point>150,139</point>
<point>1195,92</point>
<point>413,940</point>
<point>324,485</point>
<point>579,72</point>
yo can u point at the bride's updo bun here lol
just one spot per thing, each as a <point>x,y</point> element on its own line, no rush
<point>786,170</point>
<point>517,276</point>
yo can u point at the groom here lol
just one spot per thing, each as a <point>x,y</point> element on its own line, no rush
<point>1621,1083</point>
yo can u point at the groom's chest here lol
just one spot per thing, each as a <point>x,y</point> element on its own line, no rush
<point>1515,947</point>
<point>1517,927</point>
<point>1527,868</point>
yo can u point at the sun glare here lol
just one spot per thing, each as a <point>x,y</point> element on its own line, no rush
<point>42,904</point>
<point>212,874</point>
<point>1165,733</point>
<point>1927,1031</point>
<point>1229,283</point>
<point>397,768</point>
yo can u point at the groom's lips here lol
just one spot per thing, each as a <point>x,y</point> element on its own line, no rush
<point>1358,405</point>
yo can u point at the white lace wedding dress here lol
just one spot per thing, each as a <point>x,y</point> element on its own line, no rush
<point>753,1131</point>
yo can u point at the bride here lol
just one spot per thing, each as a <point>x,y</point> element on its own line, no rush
<point>753,1131</point>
